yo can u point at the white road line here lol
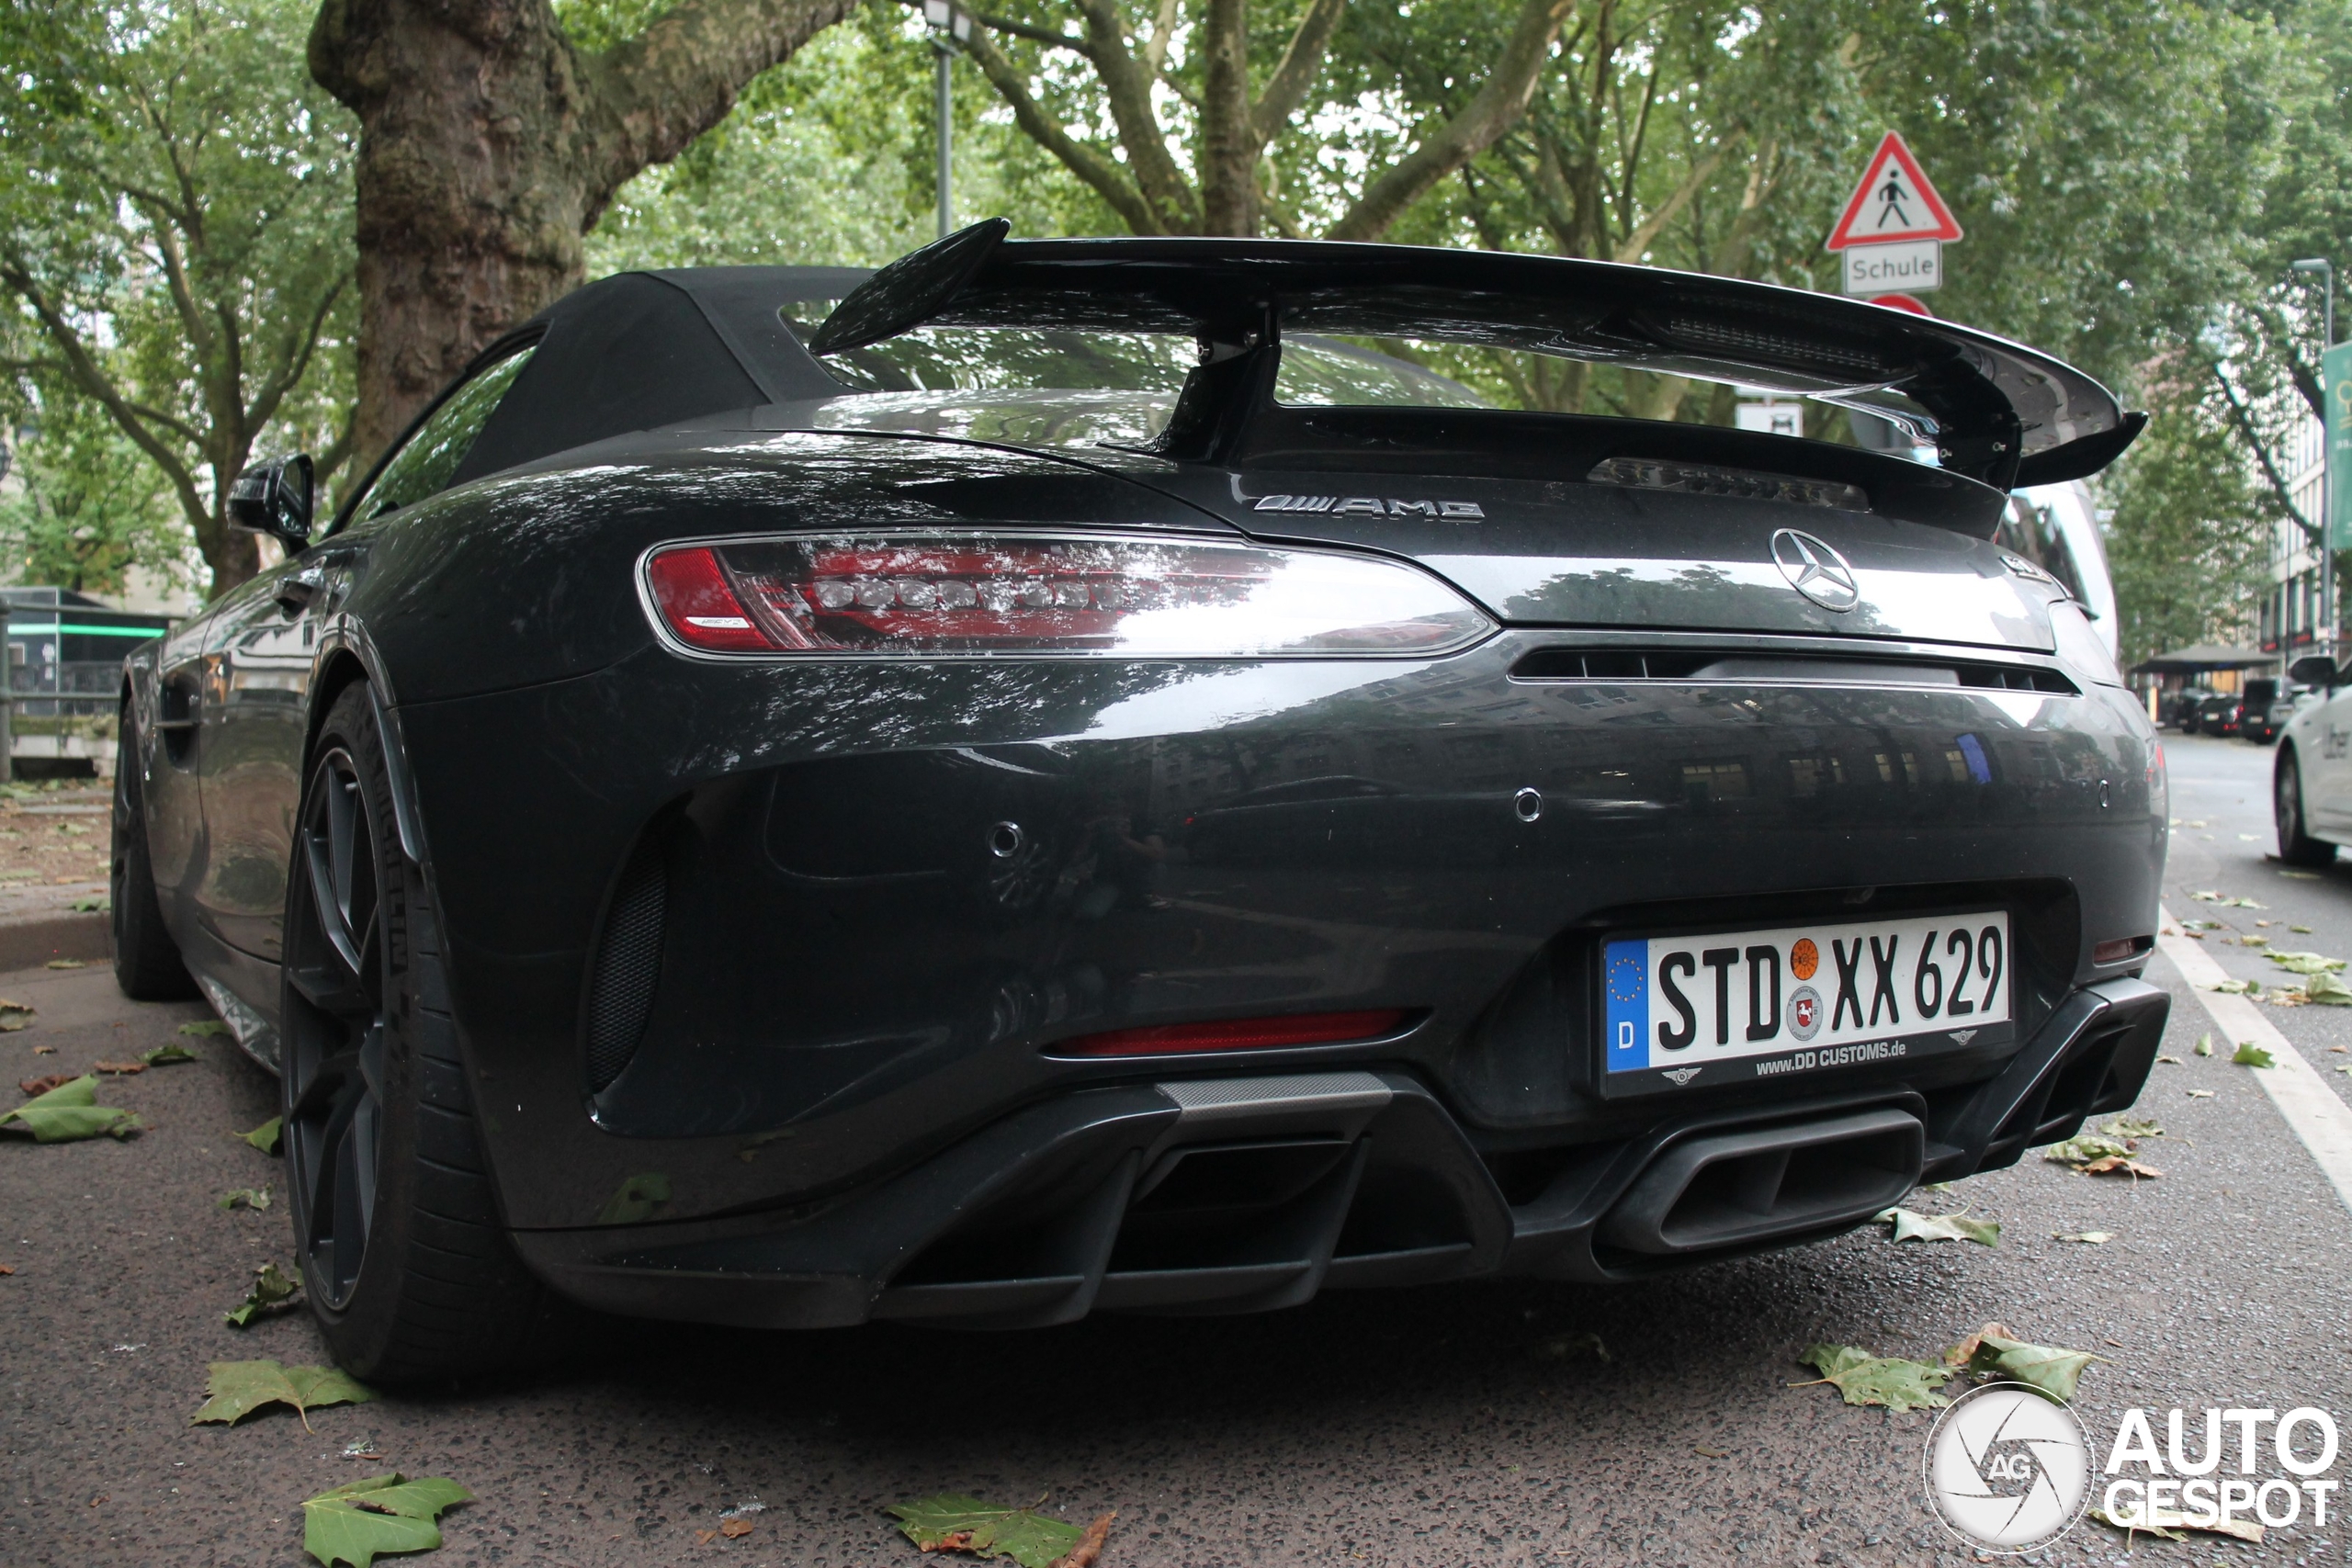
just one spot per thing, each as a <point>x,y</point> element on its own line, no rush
<point>2312,1108</point>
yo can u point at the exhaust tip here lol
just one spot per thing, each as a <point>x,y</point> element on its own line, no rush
<point>1755,1185</point>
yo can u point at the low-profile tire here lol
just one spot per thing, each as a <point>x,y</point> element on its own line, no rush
<point>2295,846</point>
<point>404,1260</point>
<point>147,963</point>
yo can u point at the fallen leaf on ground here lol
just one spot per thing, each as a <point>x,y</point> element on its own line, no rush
<point>2249,1054</point>
<point>1994,1352</point>
<point>2174,1060</point>
<point>244,1197</point>
<point>2118,1165</point>
<point>7,1268</point>
<point>2084,1147</point>
<point>1865,1378</point>
<point>2208,896</point>
<point>271,1291</point>
<point>2300,931</point>
<point>42,1086</point>
<point>1090,1545</point>
<point>2241,904</point>
<point>69,1113</point>
<point>1705,1452</point>
<point>2307,963</point>
<point>2134,1127</point>
<point>2094,1238</point>
<point>2328,990</point>
<point>205,1026</point>
<point>44,1050</point>
<point>703,1537</point>
<point>2237,988</point>
<point>91,906</point>
<point>237,1389</point>
<point>1910,1226</point>
<point>954,1522</point>
<point>266,1136</point>
<point>167,1055</point>
<point>15,1016</point>
<point>2254,941</point>
<point>385,1512</point>
<point>2168,1523</point>
<point>2208,1094</point>
<point>735,1530</point>
<point>122,1069</point>
<point>2205,1045</point>
<point>66,964</point>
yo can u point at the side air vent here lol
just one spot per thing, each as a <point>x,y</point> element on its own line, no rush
<point>627,965</point>
<point>1693,666</point>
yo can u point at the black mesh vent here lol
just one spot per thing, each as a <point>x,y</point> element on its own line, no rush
<point>629,962</point>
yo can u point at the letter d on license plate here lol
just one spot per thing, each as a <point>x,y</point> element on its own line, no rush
<point>1733,1007</point>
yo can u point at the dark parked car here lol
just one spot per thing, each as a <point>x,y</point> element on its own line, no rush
<point>2181,708</point>
<point>1067,781</point>
<point>2220,713</point>
<point>2260,713</point>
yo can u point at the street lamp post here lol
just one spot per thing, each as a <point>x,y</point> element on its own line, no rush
<point>2326,272</point>
<point>951,29</point>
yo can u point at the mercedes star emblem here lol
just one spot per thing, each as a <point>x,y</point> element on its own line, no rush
<point>1816,570</point>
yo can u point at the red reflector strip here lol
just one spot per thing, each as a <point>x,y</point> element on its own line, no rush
<point>1237,1034</point>
<point>698,605</point>
<point>2117,952</point>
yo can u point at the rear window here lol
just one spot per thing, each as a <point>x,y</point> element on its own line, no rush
<point>1314,369</point>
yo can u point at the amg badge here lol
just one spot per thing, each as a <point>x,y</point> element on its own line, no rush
<point>1369,506</point>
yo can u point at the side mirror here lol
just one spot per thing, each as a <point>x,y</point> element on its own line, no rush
<point>274,498</point>
<point>2314,670</point>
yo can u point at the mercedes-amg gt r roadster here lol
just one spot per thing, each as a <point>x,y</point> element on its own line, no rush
<point>1088,775</point>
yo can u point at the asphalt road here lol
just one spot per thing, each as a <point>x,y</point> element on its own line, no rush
<point>1457,1425</point>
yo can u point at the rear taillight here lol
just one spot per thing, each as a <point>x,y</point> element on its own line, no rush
<point>1237,1034</point>
<point>1003,593</point>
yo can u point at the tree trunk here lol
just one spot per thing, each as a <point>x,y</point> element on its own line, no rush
<point>1230,142</point>
<point>490,144</point>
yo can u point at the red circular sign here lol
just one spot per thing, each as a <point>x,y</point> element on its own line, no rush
<point>1901,302</point>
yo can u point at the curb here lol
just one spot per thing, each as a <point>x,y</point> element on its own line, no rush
<point>31,942</point>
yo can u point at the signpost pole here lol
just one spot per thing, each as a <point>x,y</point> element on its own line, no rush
<point>2329,405</point>
<point>951,28</point>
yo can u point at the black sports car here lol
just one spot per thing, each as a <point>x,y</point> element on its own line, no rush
<point>1102,774</point>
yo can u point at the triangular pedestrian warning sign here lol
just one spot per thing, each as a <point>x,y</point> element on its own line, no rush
<point>1894,202</point>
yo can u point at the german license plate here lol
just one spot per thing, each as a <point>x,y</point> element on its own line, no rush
<point>1733,1007</point>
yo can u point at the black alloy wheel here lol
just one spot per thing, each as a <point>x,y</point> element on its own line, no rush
<point>2295,846</point>
<point>404,1258</point>
<point>338,963</point>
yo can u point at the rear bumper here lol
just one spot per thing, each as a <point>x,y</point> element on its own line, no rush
<point>1248,1193</point>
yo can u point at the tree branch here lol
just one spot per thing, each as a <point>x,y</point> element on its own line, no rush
<point>1647,231</point>
<point>1050,37</point>
<point>85,374</point>
<point>679,77</point>
<point>1498,104</point>
<point>1163,33</point>
<point>1301,62</point>
<point>294,360</point>
<point>1102,174</point>
<point>2244,423</point>
<point>1128,88</point>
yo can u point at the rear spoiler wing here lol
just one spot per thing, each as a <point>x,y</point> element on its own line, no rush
<point>1997,411</point>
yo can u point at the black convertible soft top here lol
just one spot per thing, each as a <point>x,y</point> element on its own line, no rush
<point>644,350</point>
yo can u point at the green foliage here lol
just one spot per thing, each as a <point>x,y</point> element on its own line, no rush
<point>952,1522</point>
<point>69,1112</point>
<point>2188,541</point>
<point>236,1389</point>
<point>1992,1354</point>
<point>268,1137</point>
<point>1865,1378</point>
<point>272,1288</point>
<point>385,1512</point>
<point>175,249</point>
<point>92,507</point>
<point>1911,1226</point>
